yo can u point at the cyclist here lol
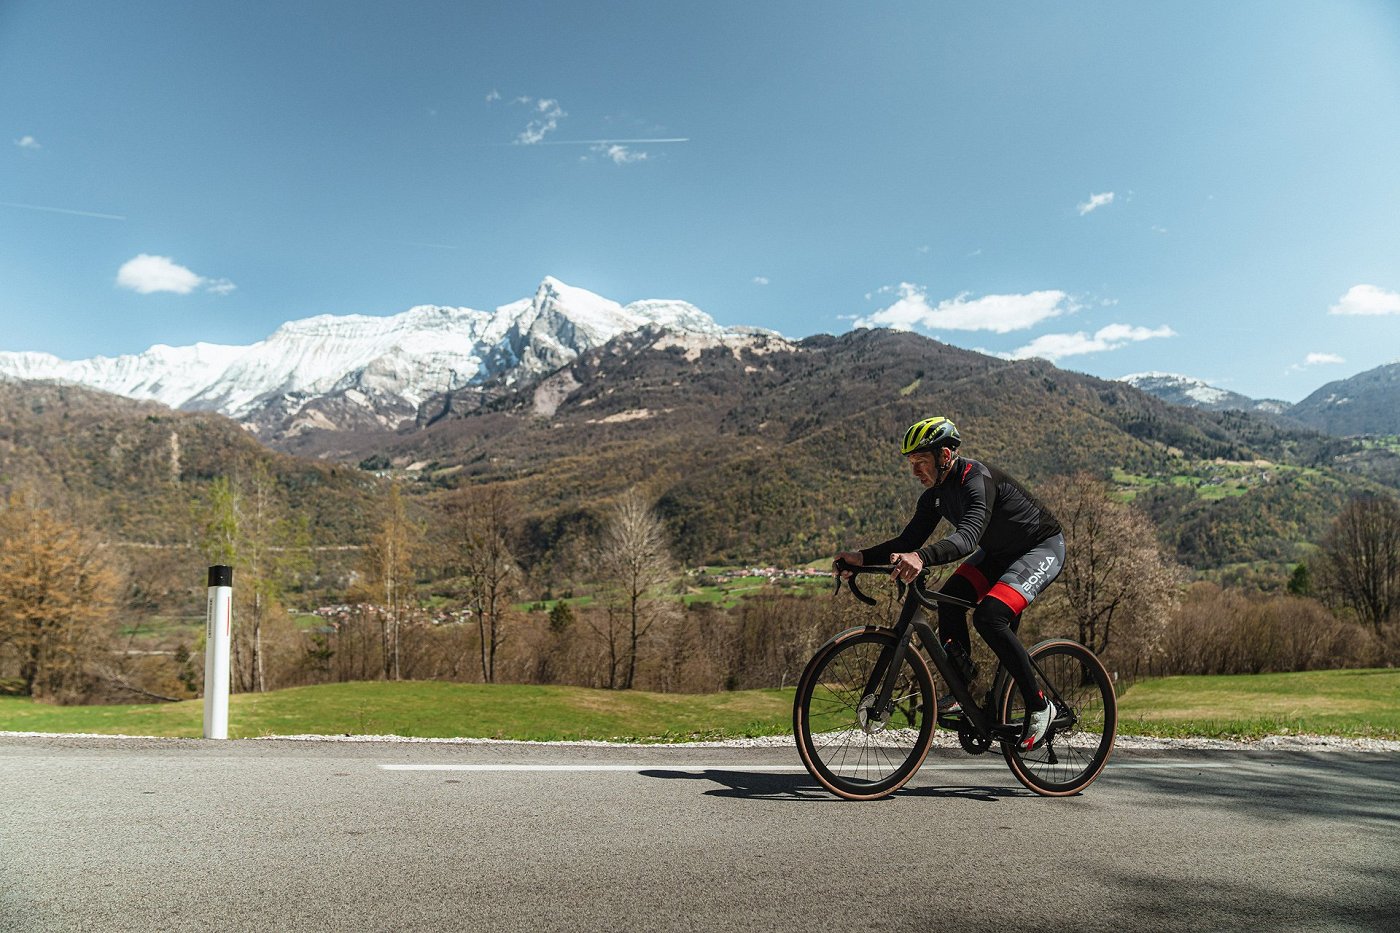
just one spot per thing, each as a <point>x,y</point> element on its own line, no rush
<point>1013,545</point>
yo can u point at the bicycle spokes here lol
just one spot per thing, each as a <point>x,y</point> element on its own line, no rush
<point>850,744</point>
<point>1082,733</point>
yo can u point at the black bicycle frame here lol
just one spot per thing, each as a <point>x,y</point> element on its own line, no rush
<point>911,621</point>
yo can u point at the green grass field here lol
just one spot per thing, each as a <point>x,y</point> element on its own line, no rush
<point>1363,703</point>
<point>1346,703</point>
<point>432,709</point>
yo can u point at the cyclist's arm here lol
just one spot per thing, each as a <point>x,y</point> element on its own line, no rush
<point>980,490</point>
<point>914,534</point>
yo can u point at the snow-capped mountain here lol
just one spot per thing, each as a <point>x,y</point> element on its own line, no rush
<point>1193,393</point>
<point>360,371</point>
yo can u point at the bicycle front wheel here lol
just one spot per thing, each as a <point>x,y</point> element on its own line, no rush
<point>854,750</point>
<point>1081,737</point>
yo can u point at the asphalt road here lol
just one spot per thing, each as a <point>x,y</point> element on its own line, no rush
<point>151,835</point>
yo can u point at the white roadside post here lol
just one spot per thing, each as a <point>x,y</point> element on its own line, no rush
<point>217,631</point>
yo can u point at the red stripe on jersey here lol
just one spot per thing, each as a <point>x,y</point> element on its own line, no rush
<point>1010,596</point>
<point>966,470</point>
<point>980,584</point>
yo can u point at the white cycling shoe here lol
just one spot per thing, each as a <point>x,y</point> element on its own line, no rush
<point>1037,724</point>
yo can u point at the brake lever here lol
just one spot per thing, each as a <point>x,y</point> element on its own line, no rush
<point>856,592</point>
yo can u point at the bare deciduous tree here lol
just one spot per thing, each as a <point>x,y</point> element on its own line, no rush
<point>1116,586</point>
<point>634,561</point>
<point>482,523</point>
<point>388,576</point>
<point>56,599</point>
<point>1360,560</point>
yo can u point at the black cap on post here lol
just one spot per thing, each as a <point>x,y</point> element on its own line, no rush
<point>220,575</point>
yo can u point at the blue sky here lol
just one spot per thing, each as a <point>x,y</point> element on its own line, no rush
<point>1202,188</point>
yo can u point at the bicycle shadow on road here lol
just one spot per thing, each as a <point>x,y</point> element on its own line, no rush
<point>753,785</point>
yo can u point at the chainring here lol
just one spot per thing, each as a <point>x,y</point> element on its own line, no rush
<point>971,741</point>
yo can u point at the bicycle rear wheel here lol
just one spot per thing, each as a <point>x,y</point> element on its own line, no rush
<point>1081,737</point>
<point>854,752</point>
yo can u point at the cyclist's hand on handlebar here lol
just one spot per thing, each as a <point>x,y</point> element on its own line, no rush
<point>906,566</point>
<point>850,557</point>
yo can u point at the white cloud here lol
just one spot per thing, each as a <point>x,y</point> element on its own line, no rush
<point>1095,202</point>
<point>620,154</point>
<point>1315,359</point>
<point>1368,300</point>
<point>494,96</point>
<point>998,313</point>
<point>548,114</point>
<point>28,142</point>
<point>148,274</point>
<point>760,280</point>
<point>1054,347</point>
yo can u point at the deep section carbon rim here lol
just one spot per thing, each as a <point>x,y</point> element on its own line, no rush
<point>1081,737</point>
<point>849,747</point>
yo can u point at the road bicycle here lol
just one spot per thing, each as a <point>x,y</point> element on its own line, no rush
<point>866,709</point>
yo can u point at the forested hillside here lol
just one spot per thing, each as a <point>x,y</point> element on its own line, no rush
<point>1367,403</point>
<point>783,456</point>
<point>764,452</point>
<point>139,475</point>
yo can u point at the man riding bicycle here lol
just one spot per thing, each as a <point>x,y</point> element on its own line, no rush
<point>1013,545</point>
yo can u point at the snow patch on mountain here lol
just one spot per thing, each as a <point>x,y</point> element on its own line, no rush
<point>373,369</point>
<point>1194,389</point>
<point>1189,391</point>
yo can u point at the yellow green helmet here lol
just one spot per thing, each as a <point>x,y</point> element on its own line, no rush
<point>930,434</point>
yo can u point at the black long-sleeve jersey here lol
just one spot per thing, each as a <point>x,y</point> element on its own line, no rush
<point>986,508</point>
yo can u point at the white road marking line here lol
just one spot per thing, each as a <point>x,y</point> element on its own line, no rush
<point>653,767</point>
<point>763,769</point>
<point>1154,765</point>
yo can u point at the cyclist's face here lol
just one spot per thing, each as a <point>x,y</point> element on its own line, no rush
<point>925,467</point>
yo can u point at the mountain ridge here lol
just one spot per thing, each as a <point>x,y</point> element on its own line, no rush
<point>1367,403</point>
<point>361,371</point>
<point>362,374</point>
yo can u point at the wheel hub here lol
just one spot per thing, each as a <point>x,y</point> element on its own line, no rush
<point>870,723</point>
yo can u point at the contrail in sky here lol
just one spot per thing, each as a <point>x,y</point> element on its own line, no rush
<point>593,142</point>
<point>604,142</point>
<point>62,210</point>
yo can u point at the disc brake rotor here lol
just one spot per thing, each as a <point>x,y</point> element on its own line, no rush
<point>870,724</point>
